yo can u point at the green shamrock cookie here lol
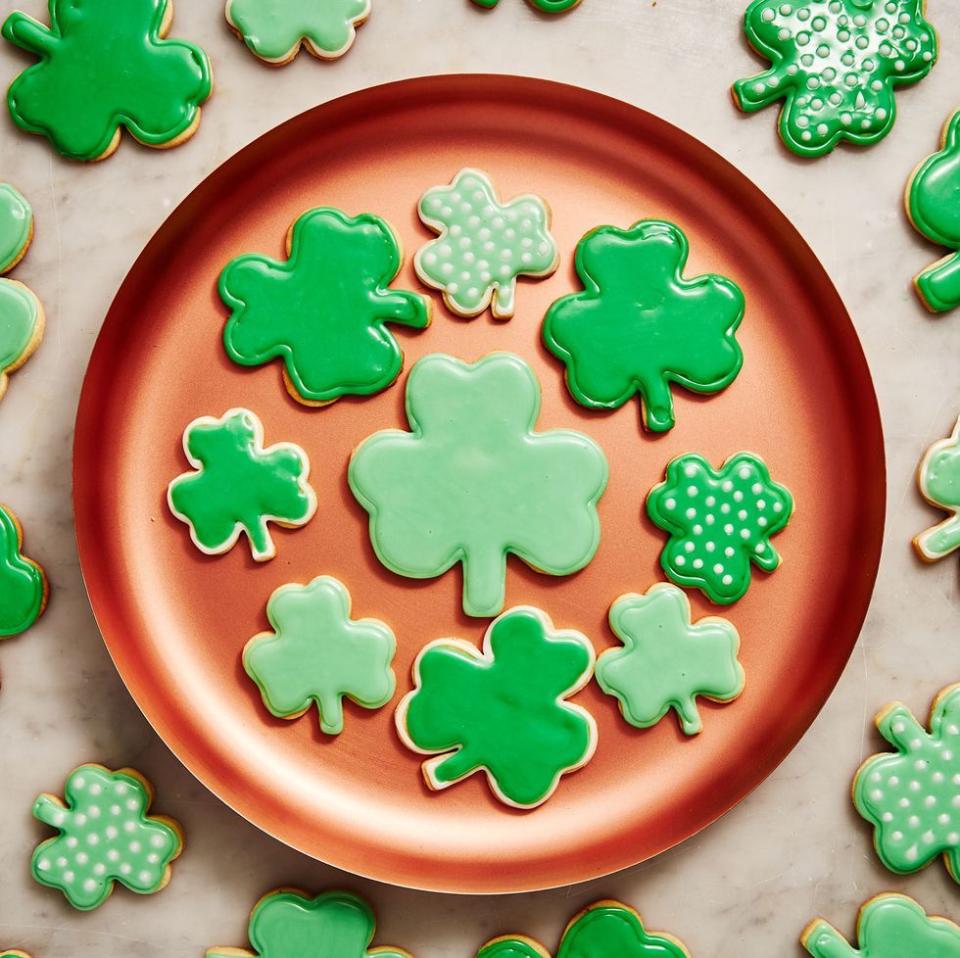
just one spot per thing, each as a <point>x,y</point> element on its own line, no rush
<point>323,311</point>
<point>104,65</point>
<point>667,661</point>
<point>484,245</point>
<point>473,482</point>
<point>317,654</point>
<point>503,711</point>
<point>23,584</point>
<point>939,479</point>
<point>888,926</point>
<point>912,797</point>
<point>547,6</point>
<point>836,64</point>
<point>238,485</point>
<point>639,326</point>
<point>105,836</point>
<point>719,522</point>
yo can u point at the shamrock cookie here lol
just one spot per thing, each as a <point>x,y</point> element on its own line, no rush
<point>238,485</point>
<point>503,711</point>
<point>323,311</point>
<point>317,654</point>
<point>23,583</point>
<point>484,245</point>
<point>836,64</point>
<point>105,836</point>
<point>104,66</point>
<point>888,926</point>
<point>667,661</point>
<point>639,326</point>
<point>547,6</point>
<point>938,477</point>
<point>719,522</point>
<point>473,482</point>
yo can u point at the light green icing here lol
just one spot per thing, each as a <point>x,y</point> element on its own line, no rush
<point>889,926</point>
<point>104,65</point>
<point>719,522</point>
<point>239,486</point>
<point>836,64</point>
<point>912,797</point>
<point>323,311</point>
<point>274,29</point>
<point>317,654</point>
<point>639,326</point>
<point>484,245</point>
<point>16,226</point>
<point>473,482</point>
<point>503,711</point>
<point>547,6</point>
<point>105,836</point>
<point>939,480</point>
<point>23,587</point>
<point>667,661</point>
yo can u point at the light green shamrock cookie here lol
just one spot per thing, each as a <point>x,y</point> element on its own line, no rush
<point>939,479</point>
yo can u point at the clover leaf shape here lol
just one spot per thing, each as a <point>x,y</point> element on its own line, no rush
<point>639,325</point>
<point>23,583</point>
<point>939,479</point>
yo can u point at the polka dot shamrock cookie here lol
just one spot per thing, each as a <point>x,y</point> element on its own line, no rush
<point>836,64</point>
<point>938,477</point>
<point>238,485</point>
<point>503,710</point>
<point>720,522</point>
<point>546,6</point>
<point>23,583</point>
<point>912,796</point>
<point>105,66</point>
<point>484,245</point>
<point>105,837</point>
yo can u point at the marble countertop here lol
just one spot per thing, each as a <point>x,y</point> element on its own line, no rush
<point>747,885</point>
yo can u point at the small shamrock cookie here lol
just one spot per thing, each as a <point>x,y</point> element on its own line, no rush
<point>484,245</point>
<point>639,325</point>
<point>473,482</point>
<point>719,523</point>
<point>105,836</point>
<point>667,661</point>
<point>888,926</point>
<point>324,310</point>
<point>547,6</point>
<point>938,477</point>
<point>104,66</point>
<point>238,485</point>
<point>503,711</point>
<point>836,64</point>
<point>316,655</point>
<point>23,583</point>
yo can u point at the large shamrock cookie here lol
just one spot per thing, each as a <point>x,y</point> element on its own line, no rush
<point>23,583</point>
<point>503,710</point>
<point>639,325</point>
<point>324,310</point>
<point>473,482</point>
<point>939,479</point>
<point>836,64</point>
<point>106,65</point>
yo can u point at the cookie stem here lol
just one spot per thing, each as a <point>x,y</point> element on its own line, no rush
<point>690,720</point>
<point>26,33</point>
<point>48,810</point>
<point>941,540</point>
<point>823,941</point>
<point>455,767</point>
<point>484,583</point>
<point>940,286</point>
<point>658,405</point>
<point>406,308</point>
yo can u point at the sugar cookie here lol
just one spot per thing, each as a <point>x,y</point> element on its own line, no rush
<point>546,6</point>
<point>938,477</point>
<point>23,583</point>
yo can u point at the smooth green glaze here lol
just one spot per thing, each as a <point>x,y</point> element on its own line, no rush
<point>939,481</point>
<point>503,711</point>
<point>16,226</point>
<point>639,326</point>
<point>103,65</point>
<point>317,654</point>
<point>719,522</point>
<point>22,584</point>
<point>912,797</point>
<point>484,245</point>
<point>889,926</point>
<point>547,6</point>
<point>473,482</point>
<point>323,311</point>
<point>105,836</point>
<point>836,64</point>
<point>238,486</point>
<point>667,661</point>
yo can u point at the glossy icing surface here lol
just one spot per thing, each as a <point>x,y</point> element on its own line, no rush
<point>16,227</point>
<point>939,479</point>
<point>547,6</point>
<point>23,587</point>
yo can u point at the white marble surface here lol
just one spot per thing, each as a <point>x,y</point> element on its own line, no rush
<point>793,849</point>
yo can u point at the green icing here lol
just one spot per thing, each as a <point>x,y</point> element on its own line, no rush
<point>719,522</point>
<point>104,65</point>
<point>639,326</point>
<point>105,836</point>
<point>323,311</point>
<point>23,588</point>
<point>317,654</point>
<point>16,227</point>
<point>484,245</point>
<point>889,926</point>
<point>473,482</point>
<point>939,479</point>
<point>667,661</point>
<point>836,64</point>
<point>547,6</point>
<point>503,711</point>
<point>239,486</point>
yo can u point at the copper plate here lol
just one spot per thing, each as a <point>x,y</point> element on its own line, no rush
<point>175,621</point>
